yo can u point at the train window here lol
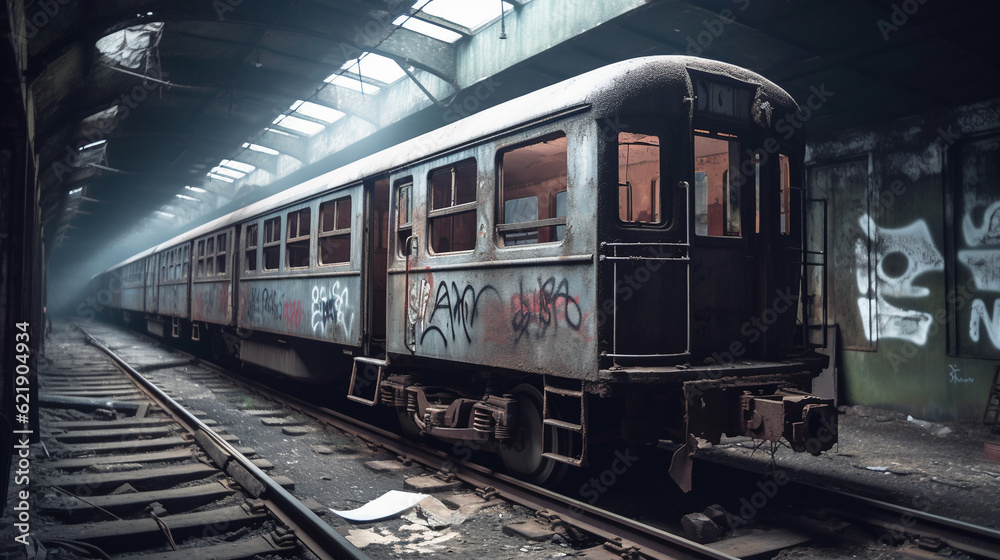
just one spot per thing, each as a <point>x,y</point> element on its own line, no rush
<point>200,270</point>
<point>716,193</point>
<point>335,231</point>
<point>210,257</point>
<point>272,242</point>
<point>297,247</point>
<point>404,212</point>
<point>785,178</point>
<point>639,178</point>
<point>531,178</point>
<point>251,247</point>
<point>186,260</point>
<point>220,254</point>
<point>452,217</point>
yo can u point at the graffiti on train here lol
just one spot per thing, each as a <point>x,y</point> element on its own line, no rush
<point>454,313</point>
<point>900,256</point>
<point>267,305</point>
<point>536,311</point>
<point>331,309</point>
<point>262,304</point>
<point>982,259</point>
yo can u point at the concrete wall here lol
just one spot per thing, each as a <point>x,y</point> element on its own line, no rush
<point>914,258</point>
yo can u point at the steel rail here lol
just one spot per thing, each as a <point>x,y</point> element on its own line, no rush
<point>313,532</point>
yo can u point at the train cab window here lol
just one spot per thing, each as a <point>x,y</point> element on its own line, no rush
<point>452,217</point>
<point>220,253</point>
<point>531,179</point>
<point>717,186</point>
<point>297,247</point>
<point>785,178</point>
<point>639,178</point>
<point>404,212</point>
<point>250,248</point>
<point>335,231</point>
<point>272,242</point>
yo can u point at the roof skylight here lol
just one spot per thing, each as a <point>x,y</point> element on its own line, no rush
<point>221,178</point>
<point>186,197</point>
<point>376,67</point>
<point>228,172</point>
<point>350,80</point>
<point>302,126</point>
<point>471,14</point>
<point>319,112</point>
<point>261,149</point>
<point>426,28</point>
<point>237,165</point>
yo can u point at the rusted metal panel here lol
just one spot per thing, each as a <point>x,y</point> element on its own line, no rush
<point>320,307</point>
<point>133,299</point>
<point>173,300</point>
<point>212,301</point>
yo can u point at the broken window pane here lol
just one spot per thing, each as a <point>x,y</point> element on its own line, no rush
<point>452,218</point>
<point>272,243</point>
<point>531,179</point>
<point>717,187</point>
<point>335,231</point>
<point>639,178</point>
<point>297,248</point>
<point>251,248</point>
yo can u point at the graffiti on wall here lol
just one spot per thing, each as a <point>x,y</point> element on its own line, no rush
<point>982,258</point>
<point>455,311</point>
<point>900,255</point>
<point>548,306</point>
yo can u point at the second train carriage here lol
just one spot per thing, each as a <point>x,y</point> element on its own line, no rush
<point>616,255</point>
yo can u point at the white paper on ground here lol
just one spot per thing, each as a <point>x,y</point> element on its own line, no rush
<point>386,505</point>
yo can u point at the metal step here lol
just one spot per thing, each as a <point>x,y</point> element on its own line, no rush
<point>563,425</point>
<point>381,365</point>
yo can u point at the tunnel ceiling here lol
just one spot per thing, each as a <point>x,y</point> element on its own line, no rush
<point>131,101</point>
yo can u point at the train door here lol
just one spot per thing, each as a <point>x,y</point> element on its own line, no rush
<point>647,253</point>
<point>723,227</point>
<point>377,251</point>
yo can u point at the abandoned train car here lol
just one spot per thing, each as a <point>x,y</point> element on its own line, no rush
<point>617,255</point>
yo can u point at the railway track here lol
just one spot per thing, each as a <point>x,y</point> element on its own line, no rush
<point>151,477</point>
<point>622,537</point>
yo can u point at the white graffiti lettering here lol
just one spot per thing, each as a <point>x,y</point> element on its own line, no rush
<point>980,315</point>
<point>912,252</point>
<point>331,308</point>
<point>954,378</point>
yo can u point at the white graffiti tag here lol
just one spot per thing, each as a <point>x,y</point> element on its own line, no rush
<point>983,261</point>
<point>914,253</point>
<point>331,308</point>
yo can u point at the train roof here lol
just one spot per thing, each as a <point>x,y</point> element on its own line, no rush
<point>605,90</point>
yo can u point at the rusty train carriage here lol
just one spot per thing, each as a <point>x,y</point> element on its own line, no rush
<point>618,255</point>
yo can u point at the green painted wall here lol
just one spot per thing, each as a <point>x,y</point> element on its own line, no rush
<point>913,290</point>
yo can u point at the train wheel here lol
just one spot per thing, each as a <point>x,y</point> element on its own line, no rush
<point>523,456</point>
<point>407,427</point>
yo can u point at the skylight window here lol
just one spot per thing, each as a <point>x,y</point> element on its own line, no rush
<point>196,189</point>
<point>221,178</point>
<point>228,172</point>
<point>261,149</point>
<point>76,191</point>
<point>350,80</point>
<point>237,165</point>
<point>471,14</point>
<point>319,112</point>
<point>186,197</point>
<point>281,132</point>
<point>309,128</point>
<point>165,214</point>
<point>426,28</point>
<point>376,67</point>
